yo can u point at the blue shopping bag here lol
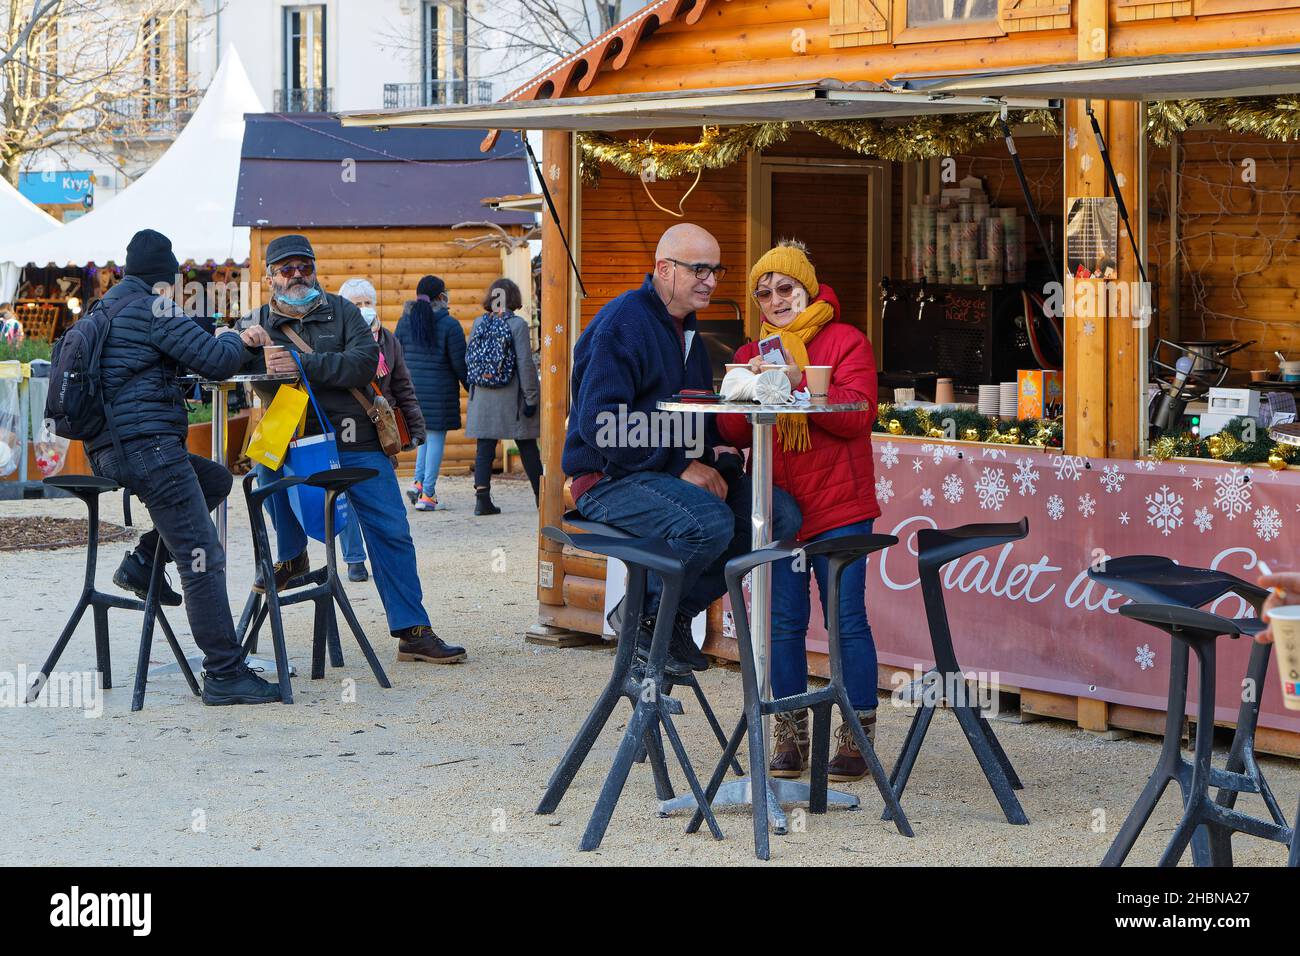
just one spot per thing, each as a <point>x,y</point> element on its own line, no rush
<point>305,457</point>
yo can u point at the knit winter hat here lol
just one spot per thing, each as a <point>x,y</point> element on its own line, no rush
<point>149,255</point>
<point>789,257</point>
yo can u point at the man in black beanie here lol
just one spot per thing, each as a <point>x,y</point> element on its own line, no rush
<point>150,339</point>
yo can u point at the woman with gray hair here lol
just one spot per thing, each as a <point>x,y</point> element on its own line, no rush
<point>395,384</point>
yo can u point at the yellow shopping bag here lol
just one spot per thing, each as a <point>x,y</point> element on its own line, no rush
<point>277,427</point>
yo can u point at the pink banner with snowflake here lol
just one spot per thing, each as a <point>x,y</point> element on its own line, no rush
<point>1028,610</point>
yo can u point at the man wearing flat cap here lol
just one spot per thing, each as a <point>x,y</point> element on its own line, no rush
<point>343,356</point>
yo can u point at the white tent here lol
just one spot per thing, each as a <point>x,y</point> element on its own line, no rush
<point>20,221</point>
<point>188,194</point>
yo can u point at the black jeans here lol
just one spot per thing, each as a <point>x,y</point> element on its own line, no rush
<point>215,482</point>
<point>485,452</point>
<point>163,476</point>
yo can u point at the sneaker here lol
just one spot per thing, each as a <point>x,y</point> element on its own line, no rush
<point>673,665</point>
<point>133,575</point>
<point>241,687</point>
<point>357,572</point>
<point>419,643</point>
<point>415,491</point>
<point>683,647</point>
<point>285,571</point>
<point>426,503</point>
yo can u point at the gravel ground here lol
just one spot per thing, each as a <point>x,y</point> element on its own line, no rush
<point>447,766</point>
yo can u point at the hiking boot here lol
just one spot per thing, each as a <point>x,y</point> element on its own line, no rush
<point>357,572</point>
<point>483,505</point>
<point>426,503</point>
<point>419,643</point>
<point>240,687</point>
<point>285,571</point>
<point>682,645</point>
<point>415,491</point>
<point>848,763</point>
<point>133,575</point>
<point>790,745</point>
<point>673,665</point>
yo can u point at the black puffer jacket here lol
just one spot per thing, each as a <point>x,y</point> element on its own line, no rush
<point>344,356</point>
<point>149,342</point>
<point>437,371</point>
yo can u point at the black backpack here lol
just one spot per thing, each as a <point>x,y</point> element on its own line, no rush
<point>75,402</point>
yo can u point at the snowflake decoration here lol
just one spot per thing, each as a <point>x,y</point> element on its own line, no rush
<point>992,489</point>
<point>994,453</point>
<point>1196,483</point>
<point>1072,137</point>
<point>927,497</point>
<point>939,452</point>
<point>1089,327</point>
<point>884,490</point>
<point>1068,467</point>
<point>889,455</point>
<point>1123,517</point>
<point>1055,507</point>
<point>1203,520</point>
<point>1268,523</point>
<point>917,465</point>
<point>1182,469</point>
<point>1165,510</point>
<point>559,330</point>
<point>1087,505</point>
<point>1025,475</point>
<point>953,489</point>
<point>1111,479</point>
<point>1147,465</point>
<point>1232,493</point>
<point>546,340</point>
<point>1146,657</point>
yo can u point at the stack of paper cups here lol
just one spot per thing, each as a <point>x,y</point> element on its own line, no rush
<point>1009,399</point>
<point>990,400</point>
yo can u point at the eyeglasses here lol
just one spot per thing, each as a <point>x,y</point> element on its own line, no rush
<point>302,269</point>
<point>784,290</point>
<point>702,270</point>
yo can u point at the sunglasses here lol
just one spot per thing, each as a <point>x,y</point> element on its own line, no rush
<point>784,290</point>
<point>702,270</point>
<point>302,269</point>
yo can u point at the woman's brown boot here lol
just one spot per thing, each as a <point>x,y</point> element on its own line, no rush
<point>848,763</point>
<point>789,745</point>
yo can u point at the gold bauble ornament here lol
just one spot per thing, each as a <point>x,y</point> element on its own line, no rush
<point>1163,448</point>
<point>1214,445</point>
<point>1276,462</point>
<point>935,433</point>
<point>971,434</point>
<point>1013,436</point>
<point>895,427</point>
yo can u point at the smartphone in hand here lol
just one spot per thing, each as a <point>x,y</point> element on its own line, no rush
<point>772,351</point>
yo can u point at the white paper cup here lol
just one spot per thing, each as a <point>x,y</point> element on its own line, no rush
<point>1285,624</point>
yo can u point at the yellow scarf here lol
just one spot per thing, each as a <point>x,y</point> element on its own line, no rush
<point>792,430</point>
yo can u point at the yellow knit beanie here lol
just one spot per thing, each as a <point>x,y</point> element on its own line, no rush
<point>789,257</point>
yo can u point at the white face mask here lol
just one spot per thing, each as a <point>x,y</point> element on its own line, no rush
<point>370,314</point>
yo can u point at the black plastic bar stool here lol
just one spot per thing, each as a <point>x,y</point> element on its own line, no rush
<point>840,553</point>
<point>936,548</point>
<point>575,519</point>
<point>1155,579</point>
<point>88,488</point>
<point>1200,631</point>
<point>326,589</point>
<point>651,707</point>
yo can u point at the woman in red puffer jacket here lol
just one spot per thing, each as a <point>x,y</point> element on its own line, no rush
<point>825,462</point>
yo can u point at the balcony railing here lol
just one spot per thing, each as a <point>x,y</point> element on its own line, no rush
<point>151,117</point>
<point>308,100</point>
<point>437,93</point>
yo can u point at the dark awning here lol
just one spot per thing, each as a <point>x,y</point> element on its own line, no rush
<point>1173,76</point>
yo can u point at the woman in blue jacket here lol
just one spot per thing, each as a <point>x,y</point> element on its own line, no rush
<point>434,344</point>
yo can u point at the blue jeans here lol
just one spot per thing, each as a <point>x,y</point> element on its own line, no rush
<point>428,459</point>
<point>354,552</point>
<point>378,506</point>
<point>704,531</point>
<point>165,477</point>
<point>790,610</point>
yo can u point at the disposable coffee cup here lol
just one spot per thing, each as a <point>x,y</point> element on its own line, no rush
<point>819,382</point>
<point>943,392</point>
<point>268,351</point>
<point>1285,623</point>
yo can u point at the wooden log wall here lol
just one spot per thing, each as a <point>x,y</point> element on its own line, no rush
<point>395,260</point>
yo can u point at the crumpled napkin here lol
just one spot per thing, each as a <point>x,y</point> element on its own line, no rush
<point>765,388</point>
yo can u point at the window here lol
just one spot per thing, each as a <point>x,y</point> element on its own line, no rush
<point>166,63</point>
<point>925,21</point>
<point>43,57</point>
<point>930,13</point>
<point>444,66</point>
<point>304,59</point>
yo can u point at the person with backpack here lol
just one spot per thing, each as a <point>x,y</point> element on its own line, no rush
<point>434,345</point>
<point>504,390</point>
<point>114,386</point>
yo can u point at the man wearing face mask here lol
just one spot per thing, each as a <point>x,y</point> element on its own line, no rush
<point>395,382</point>
<point>344,356</point>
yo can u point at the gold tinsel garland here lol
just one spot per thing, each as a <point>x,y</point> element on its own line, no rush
<point>919,137</point>
<point>1272,117</point>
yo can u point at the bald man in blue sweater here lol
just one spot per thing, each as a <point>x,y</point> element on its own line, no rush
<point>661,474</point>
